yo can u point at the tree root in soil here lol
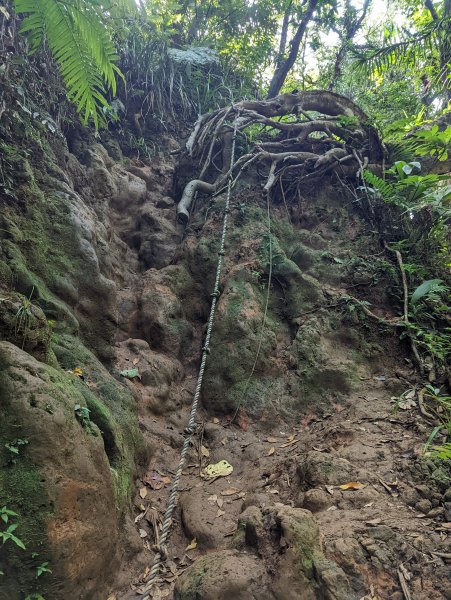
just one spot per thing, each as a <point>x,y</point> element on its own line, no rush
<point>306,135</point>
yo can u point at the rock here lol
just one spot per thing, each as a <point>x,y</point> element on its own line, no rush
<point>165,202</point>
<point>436,512</point>
<point>226,575</point>
<point>162,316</point>
<point>159,237</point>
<point>316,500</point>
<point>303,571</point>
<point>424,505</point>
<point>319,468</point>
<point>61,484</point>
<point>200,521</point>
<point>258,499</point>
<point>251,520</point>
<point>24,324</point>
<point>447,507</point>
<point>410,496</point>
<point>424,491</point>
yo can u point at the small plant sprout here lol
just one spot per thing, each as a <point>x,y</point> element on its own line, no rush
<point>42,568</point>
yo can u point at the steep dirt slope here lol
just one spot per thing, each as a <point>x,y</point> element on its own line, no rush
<point>96,279</point>
<point>318,412</point>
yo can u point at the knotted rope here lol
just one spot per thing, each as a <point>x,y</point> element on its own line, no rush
<point>190,429</point>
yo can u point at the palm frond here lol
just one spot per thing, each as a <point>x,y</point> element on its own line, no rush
<point>408,48</point>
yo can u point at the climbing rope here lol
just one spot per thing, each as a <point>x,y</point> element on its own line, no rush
<point>190,429</point>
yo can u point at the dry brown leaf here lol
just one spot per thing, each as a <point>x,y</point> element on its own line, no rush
<point>205,451</point>
<point>216,420</point>
<point>273,491</point>
<point>352,485</point>
<point>220,502</point>
<point>243,420</point>
<point>143,492</point>
<point>291,437</point>
<point>220,512</point>
<point>272,440</point>
<point>192,546</point>
<point>143,533</point>
<point>290,443</point>
<point>230,491</point>
<point>330,489</point>
<point>135,361</point>
<point>271,451</point>
<point>112,597</point>
<point>373,522</point>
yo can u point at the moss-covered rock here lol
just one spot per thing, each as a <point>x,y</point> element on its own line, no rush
<point>59,480</point>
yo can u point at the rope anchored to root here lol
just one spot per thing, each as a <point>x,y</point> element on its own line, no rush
<point>190,429</point>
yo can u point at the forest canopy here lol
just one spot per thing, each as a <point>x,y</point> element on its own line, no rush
<point>392,57</point>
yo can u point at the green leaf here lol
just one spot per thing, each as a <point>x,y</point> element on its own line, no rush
<point>424,289</point>
<point>81,44</point>
<point>130,373</point>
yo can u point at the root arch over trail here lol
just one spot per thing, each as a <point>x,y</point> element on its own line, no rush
<point>302,135</point>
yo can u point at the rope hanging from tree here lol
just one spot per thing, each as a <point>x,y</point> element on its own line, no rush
<point>190,429</point>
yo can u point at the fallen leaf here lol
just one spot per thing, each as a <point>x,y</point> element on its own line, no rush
<point>271,451</point>
<point>143,492</point>
<point>143,533</point>
<point>330,489</point>
<point>155,480</point>
<point>205,451</point>
<point>352,485</point>
<point>333,508</point>
<point>135,361</point>
<point>112,597</point>
<point>213,498</point>
<point>368,505</point>
<point>290,443</point>
<point>192,546</point>
<point>220,502</point>
<point>220,469</point>
<point>273,491</point>
<point>230,492</point>
<point>78,372</point>
<point>220,512</point>
<point>243,420</point>
<point>373,522</point>
<point>272,440</point>
<point>216,420</point>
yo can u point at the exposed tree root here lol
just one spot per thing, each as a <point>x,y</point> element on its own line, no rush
<point>294,145</point>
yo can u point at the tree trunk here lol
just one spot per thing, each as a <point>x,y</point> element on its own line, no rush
<point>284,34</point>
<point>350,28</point>
<point>283,68</point>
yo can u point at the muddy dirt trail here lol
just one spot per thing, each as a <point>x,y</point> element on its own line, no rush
<point>324,492</point>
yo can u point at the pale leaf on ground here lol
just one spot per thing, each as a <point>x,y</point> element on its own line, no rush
<point>143,492</point>
<point>352,485</point>
<point>192,546</point>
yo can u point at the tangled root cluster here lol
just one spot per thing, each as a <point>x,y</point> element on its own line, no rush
<point>301,136</point>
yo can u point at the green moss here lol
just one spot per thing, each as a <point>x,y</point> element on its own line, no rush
<point>112,408</point>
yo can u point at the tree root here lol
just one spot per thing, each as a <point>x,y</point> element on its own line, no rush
<point>338,133</point>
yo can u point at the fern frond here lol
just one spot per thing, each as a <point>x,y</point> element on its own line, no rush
<point>385,189</point>
<point>79,40</point>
